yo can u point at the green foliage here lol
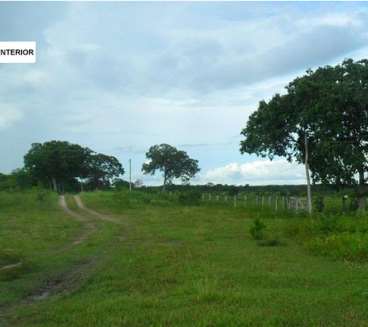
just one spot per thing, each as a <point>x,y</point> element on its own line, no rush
<point>171,162</point>
<point>257,229</point>
<point>19,179</point>
<point>353,205</point>
<point>119,184</point>
<point>190,198</point>
<point>123,199</point>
<point>337,237</point>
<point>102,169</point>
<point>345,245</point>
<point>233,190</point>
<point>270,242</point>
<point>329,108</point>
<point>319,204</point>
<point>60,165</point>
<point>56,161</point>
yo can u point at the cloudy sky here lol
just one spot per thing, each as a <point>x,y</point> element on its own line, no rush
<point>119,77</point>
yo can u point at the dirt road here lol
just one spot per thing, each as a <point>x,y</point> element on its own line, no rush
<point>89,226</point>
<point>96,214</point>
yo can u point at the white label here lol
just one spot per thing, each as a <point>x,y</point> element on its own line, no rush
<point>18,52</point>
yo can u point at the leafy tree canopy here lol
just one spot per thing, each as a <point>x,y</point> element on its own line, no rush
<point>328,107</point>
<point>58,163</point>
<point>172,162</point>
<point>103,169</point>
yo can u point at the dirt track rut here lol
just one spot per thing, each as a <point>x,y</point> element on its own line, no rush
<point>96,214</point>
<point>90,227</point>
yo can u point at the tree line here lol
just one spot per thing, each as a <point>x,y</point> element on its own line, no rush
<point>63,166</point>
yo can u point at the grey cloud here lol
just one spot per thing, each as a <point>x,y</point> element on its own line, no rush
<point>27,21</point>
<point>156,57</point>
<point>119,77</point>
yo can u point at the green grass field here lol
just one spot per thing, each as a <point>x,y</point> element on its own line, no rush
<point>159,263</point>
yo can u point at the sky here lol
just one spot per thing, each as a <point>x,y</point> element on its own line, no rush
<point>120,77</point>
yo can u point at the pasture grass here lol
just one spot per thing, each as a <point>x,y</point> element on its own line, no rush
<point>172,265</point>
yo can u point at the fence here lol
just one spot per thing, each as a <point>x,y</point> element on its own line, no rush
<point>274,202</point>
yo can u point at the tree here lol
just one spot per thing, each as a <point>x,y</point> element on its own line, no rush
<point>171,162</point>
<point>102,170</point>
<point>276,129</point>
<point>57,162</point>
<point>60,164</point>
<point>322,121</point>
<point>119,183</point>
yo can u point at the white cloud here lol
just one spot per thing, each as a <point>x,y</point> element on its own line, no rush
<point>259,172</point>
<point>112,75</point>
<point>9,116</point>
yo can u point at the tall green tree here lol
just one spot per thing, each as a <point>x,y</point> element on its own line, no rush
<point>172,162</point>
<point>57,162</point>
<point>103,170</point>
<point>322,121</point>
<point>60,164</point>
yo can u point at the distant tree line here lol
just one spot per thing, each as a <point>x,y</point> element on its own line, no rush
<point>63,166</point>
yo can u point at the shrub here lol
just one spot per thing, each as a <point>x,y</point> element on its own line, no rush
<point>344,237</point>
<point>190,198</point>
<point>327,225</point>
<point>319,203</point>
<point>348,246</point>
<point>354,205</point>
<point>257,229</point>
<point>272,242</point>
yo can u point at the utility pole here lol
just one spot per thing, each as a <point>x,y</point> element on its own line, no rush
<point>309,195</point>
<point>130,175</point>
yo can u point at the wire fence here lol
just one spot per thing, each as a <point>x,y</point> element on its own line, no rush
<point>274,202</point>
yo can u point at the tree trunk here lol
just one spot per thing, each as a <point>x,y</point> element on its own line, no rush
<point>54,184</point>
<point>361,192</point>
<point>309,193</point>
<point>165,181</point>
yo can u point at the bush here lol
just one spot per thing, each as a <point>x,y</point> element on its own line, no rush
<point>327,225</point>
<point>272,242</point>
<point>319,203</point>
<point>344,237</point>
<point>192,198</point>
<point>348,246</point>
<point>257,230</point>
